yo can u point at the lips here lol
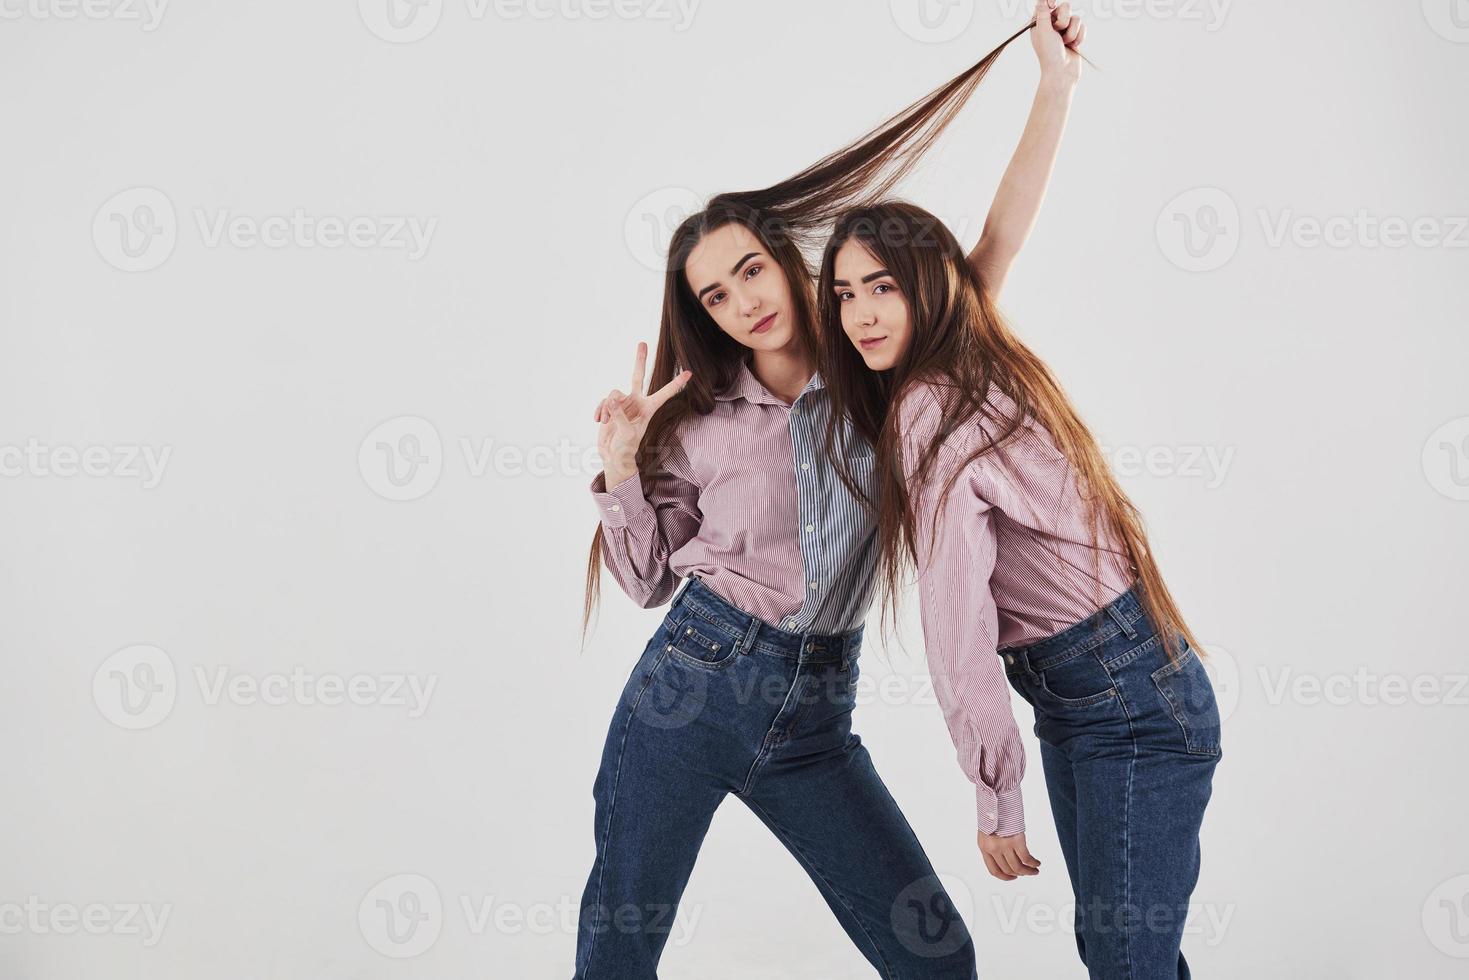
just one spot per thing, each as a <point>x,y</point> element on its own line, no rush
<point>763,325</point>
<point>870,342</point>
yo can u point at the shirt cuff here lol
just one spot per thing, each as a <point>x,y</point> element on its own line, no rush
<point>1001,814</point>
<point>624,504</point>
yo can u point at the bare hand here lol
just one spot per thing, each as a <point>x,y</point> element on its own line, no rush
<point>623,419</point>
<point>1057,39</point>
<point>1007,858</point>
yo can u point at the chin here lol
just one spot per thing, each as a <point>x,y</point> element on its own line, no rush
<point>778,339</point>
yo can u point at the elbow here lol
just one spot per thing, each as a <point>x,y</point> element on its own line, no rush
<point>657,594</point>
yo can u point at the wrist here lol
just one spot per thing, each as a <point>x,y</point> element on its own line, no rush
<point>617,473</point>
<point>1058,82</point>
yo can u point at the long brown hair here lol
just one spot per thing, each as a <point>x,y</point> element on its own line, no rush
<point>961,343</point>
<point>789,219</point>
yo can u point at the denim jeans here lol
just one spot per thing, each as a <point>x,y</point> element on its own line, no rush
<point>720,703</point>
<point>1129,742</point>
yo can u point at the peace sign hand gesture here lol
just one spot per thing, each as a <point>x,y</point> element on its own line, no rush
<point>623,420</point>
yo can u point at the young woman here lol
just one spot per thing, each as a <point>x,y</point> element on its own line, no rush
<point>716,477</point>
<point>1033,567</point>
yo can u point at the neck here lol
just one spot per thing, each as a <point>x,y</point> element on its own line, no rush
<point>785,372</point>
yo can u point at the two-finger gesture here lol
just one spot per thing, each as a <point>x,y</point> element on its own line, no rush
<point>623,418</point>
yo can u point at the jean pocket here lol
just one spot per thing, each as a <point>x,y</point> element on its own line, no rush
<point>1079,682</point>
<point>1185,686</point>
<point>694,643</point>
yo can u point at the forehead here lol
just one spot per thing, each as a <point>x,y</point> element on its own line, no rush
<point>717,253</point>
<point>853,261</point>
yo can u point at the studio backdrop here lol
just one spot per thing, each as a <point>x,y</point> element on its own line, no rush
<point>306,312</point>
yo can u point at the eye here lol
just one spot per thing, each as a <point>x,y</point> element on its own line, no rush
<point>715,298</point>
<point>752,272</point>
<point>843,295</point>
<point>883,287</point>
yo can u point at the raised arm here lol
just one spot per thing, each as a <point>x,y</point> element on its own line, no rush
<point>1057,40</point>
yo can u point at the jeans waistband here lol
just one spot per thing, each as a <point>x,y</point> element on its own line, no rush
<point>754,633</point>
<point>1123,616</point>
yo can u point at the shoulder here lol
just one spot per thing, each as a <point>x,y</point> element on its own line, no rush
<point>921,405</point>
<point>922,408</point>
<point>928,406</point>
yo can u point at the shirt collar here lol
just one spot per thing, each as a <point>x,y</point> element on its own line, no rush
<point>748,387</point>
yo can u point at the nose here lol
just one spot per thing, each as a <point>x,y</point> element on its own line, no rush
<point>749,304</point>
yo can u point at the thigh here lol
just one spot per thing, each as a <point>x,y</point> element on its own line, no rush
<point>836,816</point>
<point>655,798</point>
<point>1061,790</point>
<point>1138,860</point>
<point>1140,805</point>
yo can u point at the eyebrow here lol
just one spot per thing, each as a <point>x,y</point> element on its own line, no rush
<point>734,272</point>
<point>866,279</point>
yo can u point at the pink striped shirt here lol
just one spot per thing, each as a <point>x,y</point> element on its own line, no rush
<point>1013,562</point>
<point>746,500</point>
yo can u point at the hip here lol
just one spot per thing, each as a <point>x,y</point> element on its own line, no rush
<point>1111,680</point>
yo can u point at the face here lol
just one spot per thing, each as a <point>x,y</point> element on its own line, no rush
<point>742,287</point>
<point>874,313</point>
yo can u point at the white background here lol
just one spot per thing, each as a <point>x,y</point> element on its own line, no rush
<point>543,156</point>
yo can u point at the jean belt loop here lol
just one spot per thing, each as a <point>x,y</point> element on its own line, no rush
<point>1128,630</point>
<point>747,642</point>
<point>1030,672</point>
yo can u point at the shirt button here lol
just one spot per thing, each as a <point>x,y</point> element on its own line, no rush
<point>805,466</point>
<point>617,507</point>
<point>810,527</point>
<point>813,585</point>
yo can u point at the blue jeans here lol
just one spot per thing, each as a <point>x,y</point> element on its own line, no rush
<point>1129,741</point>
<point>721,702</point>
